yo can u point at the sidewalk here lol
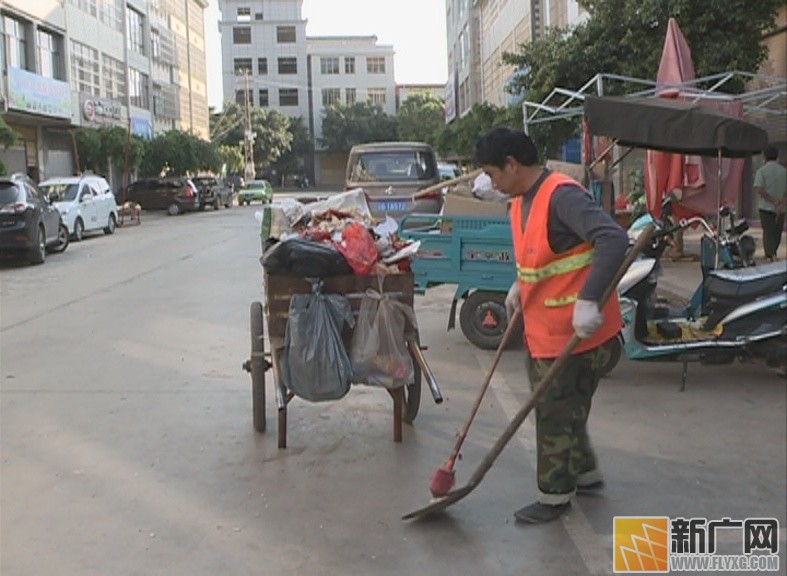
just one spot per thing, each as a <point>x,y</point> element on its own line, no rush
<point>681,278</point>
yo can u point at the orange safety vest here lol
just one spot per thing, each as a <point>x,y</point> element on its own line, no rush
<point>550,283</point>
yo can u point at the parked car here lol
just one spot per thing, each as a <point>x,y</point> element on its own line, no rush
<point>448,171</point>
<point>213,192</point>
<point>175,194</point>
<point>390,173</point>
<point>86,203</point>
<point>29,224</point>
<point>256,191</point>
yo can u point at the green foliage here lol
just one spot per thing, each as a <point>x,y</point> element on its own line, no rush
<point>98,147</point>
<point>181,151</point>
<point>7,138</point>
<point>626,38</point>
<point>421,118</point>
<point>458,138</point>
<point>273,136</point>
<point>344,126</point>
<point>232,157</point>
<point>301,147</point>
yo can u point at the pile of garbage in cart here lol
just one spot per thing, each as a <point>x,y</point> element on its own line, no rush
<point>338,236</point>
<point>330,237</point>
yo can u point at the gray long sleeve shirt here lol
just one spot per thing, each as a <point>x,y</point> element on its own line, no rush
<point>574,218</point>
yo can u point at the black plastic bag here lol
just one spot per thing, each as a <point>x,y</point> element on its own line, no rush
<point>315,365</point>
<point>299,257</point>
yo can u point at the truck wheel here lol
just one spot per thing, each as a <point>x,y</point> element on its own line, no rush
<point>173,209</point>
<point>257,367</point>
<point>482,318</point>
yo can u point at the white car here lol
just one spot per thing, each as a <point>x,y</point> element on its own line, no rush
<point>85,202</point>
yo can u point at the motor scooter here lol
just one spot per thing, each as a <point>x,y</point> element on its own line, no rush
<point>734,313</point>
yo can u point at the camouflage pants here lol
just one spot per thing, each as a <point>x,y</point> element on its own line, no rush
<point>563,444</point>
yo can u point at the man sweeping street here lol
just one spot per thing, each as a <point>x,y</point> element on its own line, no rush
<point>567,251</point>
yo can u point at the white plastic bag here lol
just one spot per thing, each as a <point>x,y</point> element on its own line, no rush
<point>378,352</point>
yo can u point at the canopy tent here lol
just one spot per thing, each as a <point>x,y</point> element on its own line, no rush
<point>673,126</point>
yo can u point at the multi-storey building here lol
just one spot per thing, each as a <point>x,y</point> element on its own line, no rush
<point>132,63</point>
<point>480,31</point>
<point>268,60</point>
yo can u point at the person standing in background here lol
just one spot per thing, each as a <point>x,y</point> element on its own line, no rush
<point>770,184</point>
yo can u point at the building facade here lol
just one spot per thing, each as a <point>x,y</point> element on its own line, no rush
<point>89,63</point>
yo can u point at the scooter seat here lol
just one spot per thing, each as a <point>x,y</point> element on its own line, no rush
<point>746,283</point>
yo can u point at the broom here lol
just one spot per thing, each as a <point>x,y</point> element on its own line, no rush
<point>443,479</point>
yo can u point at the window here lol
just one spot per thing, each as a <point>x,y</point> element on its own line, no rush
<point>155,44</point>
<point>135,31</point>
<point>242,65</point>
<point>85,68</point>
<point>244,14</point>
<point>288,65</point>
<point>288,96</point>
<point>377,96</point>
<point>264,98</point>
<point>240,97</point>
<point>50,55</point>
<point>285,34</point>
<point>88,6</point>
<point>350,96</point>
<point>138,89</point>
<point>349,65</point>
<point>262,66</point>
<point>16,36</point>
<point>114,78</point>
<point>110,12</point>
<point>329,65</point>
<point>375,65</point>
<point>241,35</point>
<point>258,16</point>
<point>331,96</point>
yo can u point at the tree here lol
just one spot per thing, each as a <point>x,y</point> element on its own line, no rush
<point>7,138</point>
<point>181,152</point>
<point>231,158</point>
<point>99,147</point>
<point>344,126</point>
<point>459,137</point>
<point>301,147</point>
<point>421,117</point>
<point>626,38</point>
<point>271,130</point>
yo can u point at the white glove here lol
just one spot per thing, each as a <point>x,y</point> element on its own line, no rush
<point>513,303</point>
<point>587,318</point>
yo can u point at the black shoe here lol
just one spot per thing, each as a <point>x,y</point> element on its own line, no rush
<point>590,487</point>
<point>538,513</point>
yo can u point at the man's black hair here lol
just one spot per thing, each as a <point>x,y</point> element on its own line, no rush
<point>499,143</point>
<point>771,153</point>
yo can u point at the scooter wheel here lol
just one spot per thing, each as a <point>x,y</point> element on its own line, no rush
<point>614,349</point>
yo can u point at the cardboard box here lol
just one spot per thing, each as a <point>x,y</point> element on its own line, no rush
<point>455,205</point>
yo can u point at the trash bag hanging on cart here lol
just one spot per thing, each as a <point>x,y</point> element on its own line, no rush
<point>315,364</point>
<point>378,352</point>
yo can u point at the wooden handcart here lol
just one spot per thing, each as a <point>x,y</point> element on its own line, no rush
<point>279,289</point>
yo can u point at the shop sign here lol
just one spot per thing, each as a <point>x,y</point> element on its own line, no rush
<point>141,126</point>
<point>32,93</point>
<point>101,110</point>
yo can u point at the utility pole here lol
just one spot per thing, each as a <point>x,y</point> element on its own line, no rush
<point>249,173</point>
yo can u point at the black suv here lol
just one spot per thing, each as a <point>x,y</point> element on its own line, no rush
<point>29,224</point>
<point>173,194</point>
<point>213,192</point>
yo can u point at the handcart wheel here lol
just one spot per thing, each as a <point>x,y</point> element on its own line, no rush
<point>483,319</point>
<point>412,395</point>
<point>257,367</point>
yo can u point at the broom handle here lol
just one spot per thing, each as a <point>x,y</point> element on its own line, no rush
<point>440,185</point>
<point>514,321</point>
<point>557,365</point>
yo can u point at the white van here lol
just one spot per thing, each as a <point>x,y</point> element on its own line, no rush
<point>86,203</point>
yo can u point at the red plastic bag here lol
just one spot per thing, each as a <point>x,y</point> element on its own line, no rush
<point>357,247</point>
